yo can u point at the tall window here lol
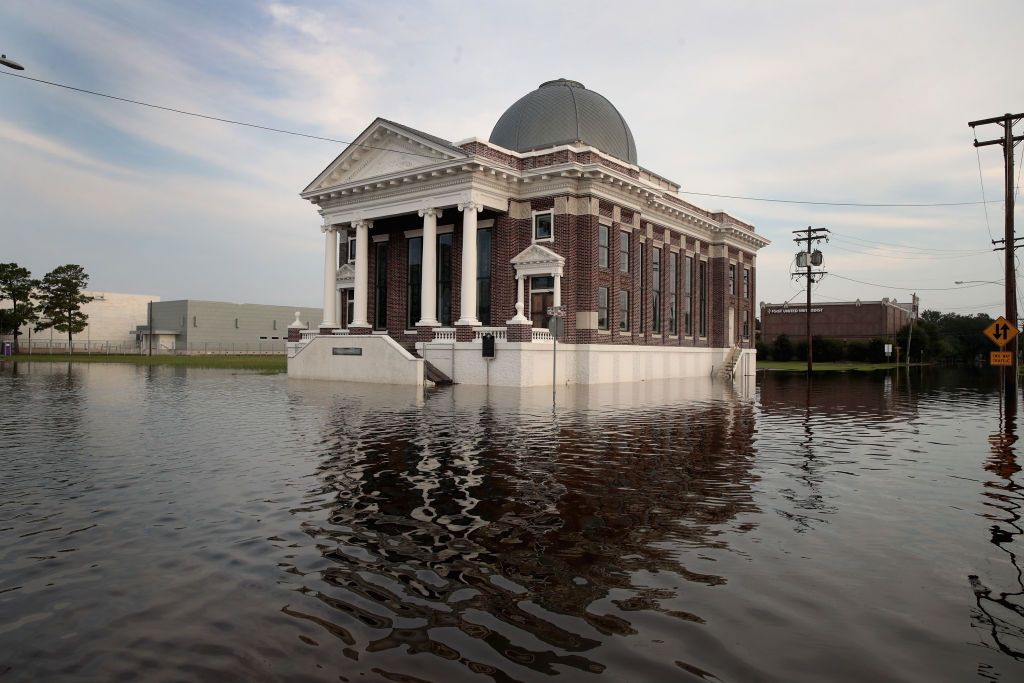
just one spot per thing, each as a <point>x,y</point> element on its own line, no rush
<point>732,279</point>
<point>746,325</point>
<point>380,286</point>
<point>702,294</point>
<point>623,310</point>
<point>350,305</point>
<point>656,290</point>
<point>352,249</point>
<point>643,291</point>
<point>746,283</point>
<point>688,296</point>
<point>444,278</point>
<point>602,245</point>
<point>483,276</point>
<point>673,289</point>
<point>624,251</point>
<point>542,226</point>
<point>413,281</point>
<point>542,296</point>
<point>602,308</point>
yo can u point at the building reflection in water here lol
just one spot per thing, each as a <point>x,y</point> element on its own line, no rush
<point>483,526</point>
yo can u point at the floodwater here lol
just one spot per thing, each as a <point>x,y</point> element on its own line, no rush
<point>186,524</point>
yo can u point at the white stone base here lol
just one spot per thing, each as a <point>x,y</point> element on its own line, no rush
<point>382,361</point>
<point>530,364</point>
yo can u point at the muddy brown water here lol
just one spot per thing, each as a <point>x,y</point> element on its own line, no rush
<point>188,524</point>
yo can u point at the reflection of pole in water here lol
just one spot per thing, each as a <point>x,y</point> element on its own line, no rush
<point>1007,499</point>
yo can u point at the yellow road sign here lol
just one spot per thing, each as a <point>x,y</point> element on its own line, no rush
<point>1000,357</point>
<point>1001,332</point>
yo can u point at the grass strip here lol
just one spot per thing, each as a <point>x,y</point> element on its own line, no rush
<point>267,364</point>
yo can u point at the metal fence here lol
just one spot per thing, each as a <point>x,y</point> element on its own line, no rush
<point>99,348</point>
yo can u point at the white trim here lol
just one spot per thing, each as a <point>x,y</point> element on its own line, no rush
<point>484,224</point>
<point>533,226</point>
<point>409,234</point>
<point>445,229</point>
<point>380,238</point>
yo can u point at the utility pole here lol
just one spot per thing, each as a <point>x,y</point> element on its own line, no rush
<point>806,259</point>
<point>1008,141</point>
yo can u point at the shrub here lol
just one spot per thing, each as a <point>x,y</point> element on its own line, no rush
<point>783,348</point>
<point>876,350</point>
<point>857,351</point>
<point>762,351</point>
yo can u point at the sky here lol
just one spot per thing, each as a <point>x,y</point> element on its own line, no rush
<point>862,102</point>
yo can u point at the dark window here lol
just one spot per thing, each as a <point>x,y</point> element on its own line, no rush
<point>673,290</point>
<point>380,286</point>
<point>624,251</point>
<point>623,310</point>
<point>746,283</point>
<point>746,326</point>
<point>542,226</point>
<point>602,245</point>
<point>732,279</point>
<point>702,294</point>
<point>643,291</point>
<point>602,308</point>
<point>413,282</point>
<point>444,279</point>
<point>656,290</point>
<point>542,295</point>
<point>351,249</point>
<point>350,306</point>
<point>688,296</point>
<point>483,276</point>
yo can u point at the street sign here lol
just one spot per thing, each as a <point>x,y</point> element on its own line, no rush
<point>556,312</point>
<point>556,326</point>
<point>888,350</point>
<point>1000,358</point>
<point>1001,332</point>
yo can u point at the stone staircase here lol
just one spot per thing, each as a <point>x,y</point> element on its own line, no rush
<point>727,370</point>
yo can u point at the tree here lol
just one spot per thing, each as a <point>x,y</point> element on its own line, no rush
<point>783,348</point>
<point>16,284</point>
<point>61,299</point>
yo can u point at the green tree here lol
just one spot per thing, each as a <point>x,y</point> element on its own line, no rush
<point>783,349</point>
<point>61,300</point>
<point>16,284</point>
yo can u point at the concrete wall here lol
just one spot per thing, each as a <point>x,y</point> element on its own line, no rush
<point>113,317</point>
<point>383,361</point>
<point>530,364</point>
<point>223,326</point>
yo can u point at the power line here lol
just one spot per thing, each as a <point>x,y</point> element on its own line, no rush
<point>814,203</point>
<point>909,289</point>
<point>842,236</point>
<point>913,257</point>
<point>208,117</point>
<point>349,142</point>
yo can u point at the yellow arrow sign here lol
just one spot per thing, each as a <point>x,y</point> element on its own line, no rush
<point>1001,332</point>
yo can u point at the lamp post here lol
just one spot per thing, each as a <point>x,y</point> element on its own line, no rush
<point>10,63</point>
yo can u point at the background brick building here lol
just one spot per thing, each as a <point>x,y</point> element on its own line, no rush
<point>846,320</point>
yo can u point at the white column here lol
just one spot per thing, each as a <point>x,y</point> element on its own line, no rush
<point>469,211</point>
<point>558,289</point>
<point>330,275</point>
<point>519,318</point>
<point>428,286</point>
<point>362,273</point>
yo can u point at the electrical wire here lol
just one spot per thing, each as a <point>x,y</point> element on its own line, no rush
<point>909,289</point>
<point>349,142</point>
<point>912,257</point>
<point>906,247</point>
<point>208,117</point>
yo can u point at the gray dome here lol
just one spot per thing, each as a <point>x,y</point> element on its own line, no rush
<point>562,112</point>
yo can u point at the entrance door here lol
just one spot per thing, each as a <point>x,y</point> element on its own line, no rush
<point>542,295</point>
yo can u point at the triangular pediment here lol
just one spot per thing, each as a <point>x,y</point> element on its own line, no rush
<point>383,149</point>
<point>536,254</point>
<point>346,275</point>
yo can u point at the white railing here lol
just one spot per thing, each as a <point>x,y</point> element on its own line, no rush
<point>541,335</point>
<point>340,332</point>
<point>306,335</point>
<point>500,333</point>
<point>444,334</point>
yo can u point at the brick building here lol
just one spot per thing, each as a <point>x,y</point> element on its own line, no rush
<point>845,320</point>
<point>433,244</point>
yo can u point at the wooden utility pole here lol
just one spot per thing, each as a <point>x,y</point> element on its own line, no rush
<point>811,236</point>
<point>1008,141</point>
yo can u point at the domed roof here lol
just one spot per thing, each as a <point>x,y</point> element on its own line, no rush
<point>562,112</point>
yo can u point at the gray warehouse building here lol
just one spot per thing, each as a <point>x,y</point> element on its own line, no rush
<point>193,326</point>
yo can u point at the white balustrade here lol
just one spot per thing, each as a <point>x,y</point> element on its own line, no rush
<point>307,335</point>
<point>444,334</point>
<point>340,332</point>
<point>541,335</point>
<point>500,333</point>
